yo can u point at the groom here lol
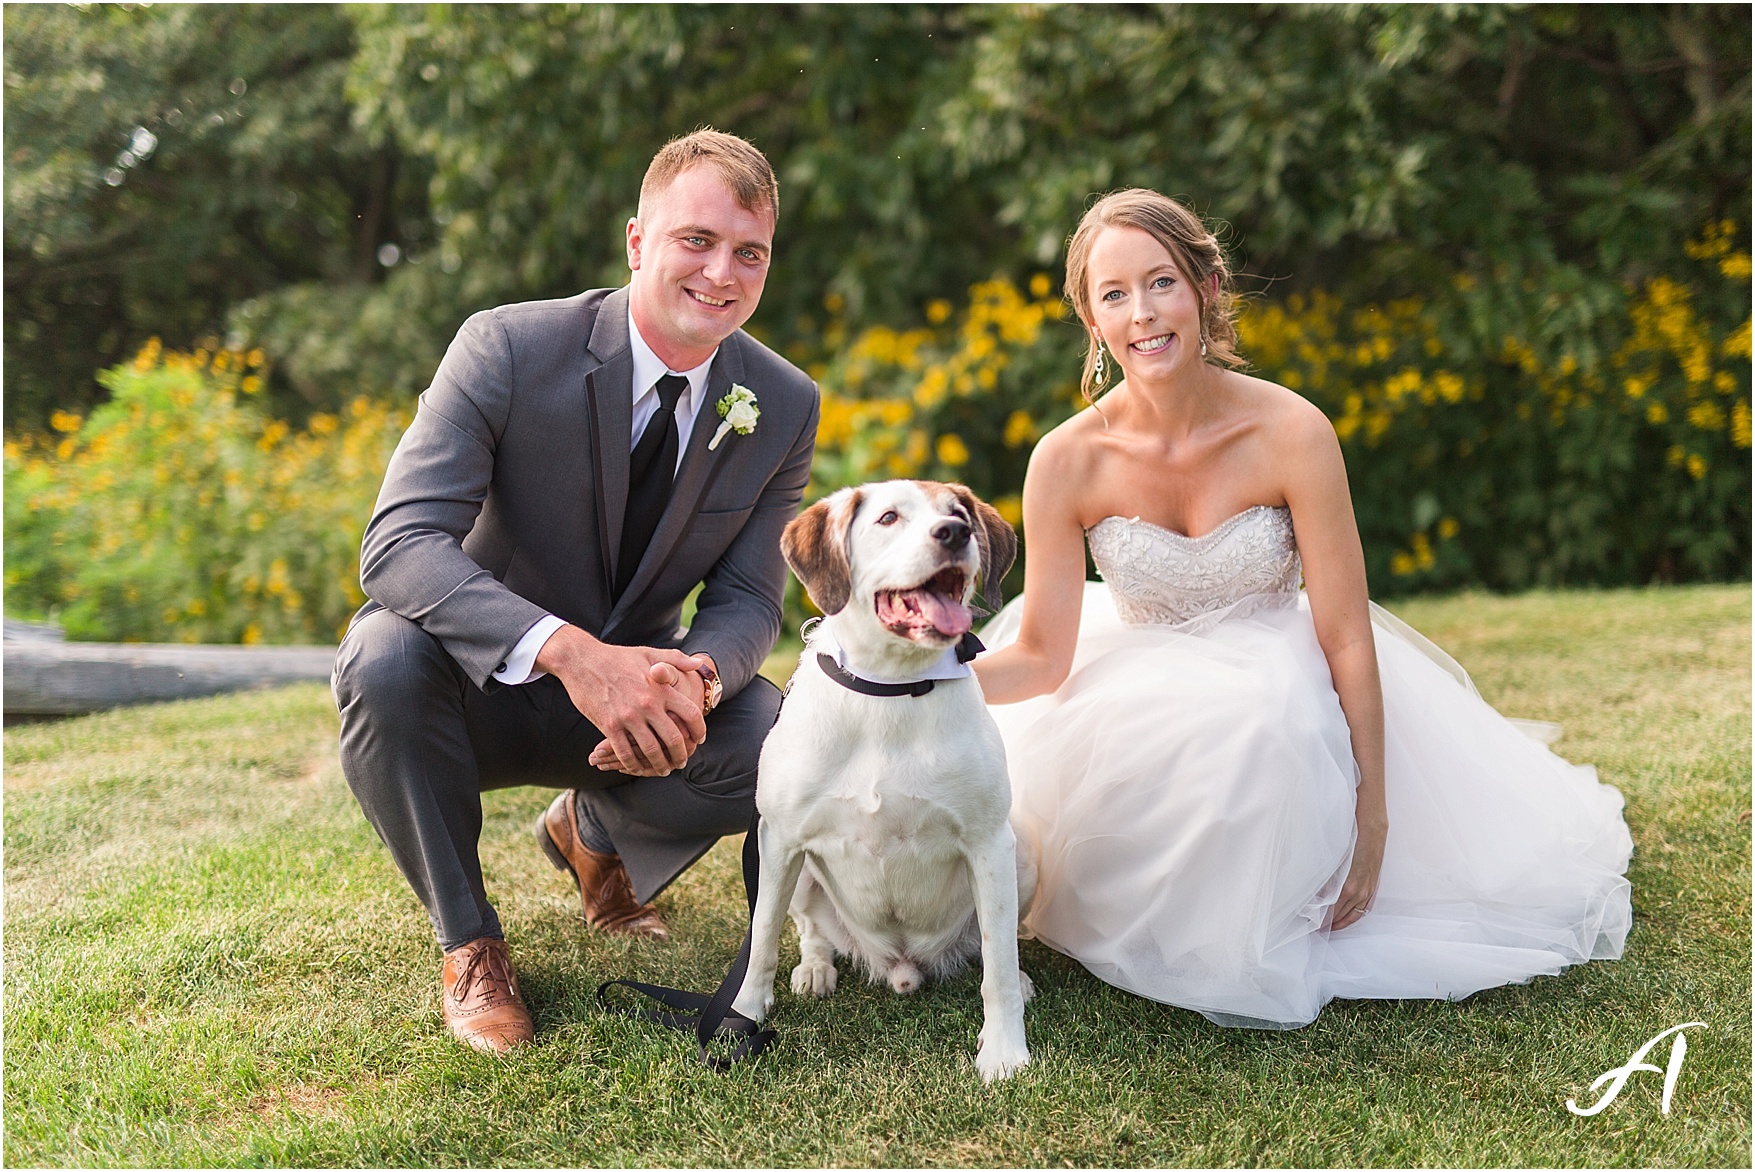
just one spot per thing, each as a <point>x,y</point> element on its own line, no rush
<point>566,483</point>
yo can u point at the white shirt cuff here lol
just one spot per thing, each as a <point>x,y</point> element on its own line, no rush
<point>520,666</point>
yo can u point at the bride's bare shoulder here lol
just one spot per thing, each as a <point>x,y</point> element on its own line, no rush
<point>1293,423</point>
<point>1071,444</point>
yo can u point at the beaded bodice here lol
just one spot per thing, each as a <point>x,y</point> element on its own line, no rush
<point>1157,575</point>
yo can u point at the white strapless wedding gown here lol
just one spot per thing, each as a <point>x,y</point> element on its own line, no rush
<point>1190,792</point>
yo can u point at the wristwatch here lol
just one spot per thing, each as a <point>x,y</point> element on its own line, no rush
<point>711,689</point>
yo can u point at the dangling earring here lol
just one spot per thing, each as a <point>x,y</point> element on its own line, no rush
<point>1098,373</point>
<point>1203,347</point>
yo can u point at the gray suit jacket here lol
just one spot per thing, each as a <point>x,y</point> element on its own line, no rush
<point>504,499</point>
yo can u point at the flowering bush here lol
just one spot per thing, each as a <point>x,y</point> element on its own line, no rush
<point>1504,461</point>
<point>963,400</point>
<point>180,511</point>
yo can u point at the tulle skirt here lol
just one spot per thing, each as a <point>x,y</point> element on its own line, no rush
<point>1189,791</point>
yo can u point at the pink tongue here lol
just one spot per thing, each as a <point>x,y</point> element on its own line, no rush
<point>921,609</point>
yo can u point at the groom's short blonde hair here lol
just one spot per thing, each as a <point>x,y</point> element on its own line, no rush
<point>744,169</point>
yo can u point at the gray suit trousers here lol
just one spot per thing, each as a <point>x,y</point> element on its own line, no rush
<point>420,742</point>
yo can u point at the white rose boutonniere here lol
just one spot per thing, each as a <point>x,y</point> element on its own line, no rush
<point>740,412</point>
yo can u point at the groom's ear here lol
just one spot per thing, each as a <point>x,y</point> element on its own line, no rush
<point>815,546</point>
<point>996,540</point>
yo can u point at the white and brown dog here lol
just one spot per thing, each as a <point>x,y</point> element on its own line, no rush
<point>883,787</point>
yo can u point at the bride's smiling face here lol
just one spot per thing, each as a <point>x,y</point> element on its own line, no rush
<point>1144,309</point>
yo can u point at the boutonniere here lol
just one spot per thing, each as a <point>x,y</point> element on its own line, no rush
<point>739,411</point>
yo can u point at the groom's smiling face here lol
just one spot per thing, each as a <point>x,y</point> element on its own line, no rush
<point>699,261</point>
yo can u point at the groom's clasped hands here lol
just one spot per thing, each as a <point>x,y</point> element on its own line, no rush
<point>646,701</point>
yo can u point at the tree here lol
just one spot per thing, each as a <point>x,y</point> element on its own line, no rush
<point>165,166</point>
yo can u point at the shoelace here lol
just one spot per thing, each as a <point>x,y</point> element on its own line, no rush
<point>486,965</point>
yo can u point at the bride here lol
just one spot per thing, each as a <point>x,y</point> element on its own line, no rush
<point>1250,798</point>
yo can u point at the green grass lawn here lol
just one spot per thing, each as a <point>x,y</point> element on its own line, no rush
<point>209,959</point>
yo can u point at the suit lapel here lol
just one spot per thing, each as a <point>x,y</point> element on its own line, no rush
<point>609,393</point>
<point>693,478</point>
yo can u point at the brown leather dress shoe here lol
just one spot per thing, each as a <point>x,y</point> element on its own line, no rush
<point>481,1000</point>
<point>604,887</point>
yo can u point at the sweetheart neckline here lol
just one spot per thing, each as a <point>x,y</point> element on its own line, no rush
<point>1222,527</point>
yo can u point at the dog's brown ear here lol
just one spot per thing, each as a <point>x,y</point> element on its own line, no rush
<point>995,539</point>
<point>815,546</point>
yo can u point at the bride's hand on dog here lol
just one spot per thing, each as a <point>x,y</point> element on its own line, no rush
<point>631,694</point>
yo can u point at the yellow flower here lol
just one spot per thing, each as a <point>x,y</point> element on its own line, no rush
<point>938,311</point>
<point>65,421</point>
<point>952,450</point>
<point>895,412</point>
<point>1040,285</point>
<point>252,634</point>
<point>1422,551</point>
<point>1448,528</point>
<point>255,358</point>
<point>834,303</point>
<point>1697,466</point>
<point>1657,413</point>
<point>1706,415</point>
<point>930,390</point>
<point>1011,507</point>
<point>1735,266</point>
<point>1020,429</point>
<point>1737,345</point>
<point>251,384</point>
<point>1740,425</point>
<point>1401,564</point>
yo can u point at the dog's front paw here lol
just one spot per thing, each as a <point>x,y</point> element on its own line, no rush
<point>754,1003</point>
<point>1026,986</point>
<point>814,978</point>
<point>1000,1052</point>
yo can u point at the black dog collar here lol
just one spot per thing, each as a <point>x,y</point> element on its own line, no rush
<point>968,647</point>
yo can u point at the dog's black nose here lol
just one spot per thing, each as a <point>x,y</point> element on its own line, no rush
<point>951,533</point>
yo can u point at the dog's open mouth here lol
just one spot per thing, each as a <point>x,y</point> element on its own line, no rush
<point>930,612</point>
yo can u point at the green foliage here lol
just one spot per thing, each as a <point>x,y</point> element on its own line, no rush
<point>168,165</point>
<point>179,511</point>
<point>1551,154</point>
<point>1628,464</point>
<point>539,124</point>
<point>1524,178</point>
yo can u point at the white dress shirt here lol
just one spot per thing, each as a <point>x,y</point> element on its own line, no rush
<point>520,665</point>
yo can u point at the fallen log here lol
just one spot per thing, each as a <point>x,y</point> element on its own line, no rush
<point>47,678</point>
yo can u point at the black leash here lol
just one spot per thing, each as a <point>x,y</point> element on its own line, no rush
<point>710,1017</point>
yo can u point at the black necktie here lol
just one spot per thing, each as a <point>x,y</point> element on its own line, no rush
<point>651,472</point>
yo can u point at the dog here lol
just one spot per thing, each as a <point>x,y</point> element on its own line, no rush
<point>883,791</point>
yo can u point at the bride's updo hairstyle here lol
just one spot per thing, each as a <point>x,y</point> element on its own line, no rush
<point>1194,249</point>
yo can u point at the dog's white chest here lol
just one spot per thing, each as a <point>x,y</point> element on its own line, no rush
<point>885,794</point>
